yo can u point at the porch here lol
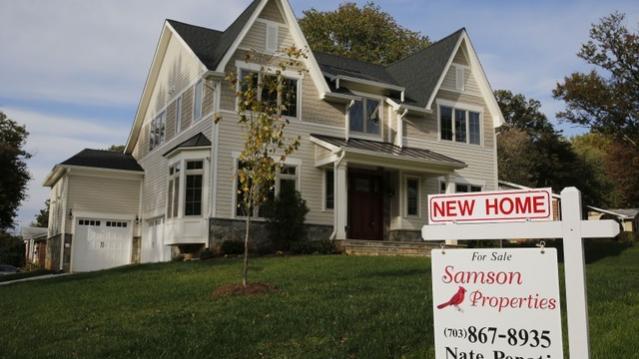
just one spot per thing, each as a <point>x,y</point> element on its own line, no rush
<point>380,189</point>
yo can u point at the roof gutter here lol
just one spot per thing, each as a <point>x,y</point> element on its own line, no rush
<point>400,107</point>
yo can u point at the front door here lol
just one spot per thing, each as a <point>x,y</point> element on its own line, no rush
<point>365,201</point>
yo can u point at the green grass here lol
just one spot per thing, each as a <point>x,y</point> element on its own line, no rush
<point>328,307</point>
<point>23,275</point>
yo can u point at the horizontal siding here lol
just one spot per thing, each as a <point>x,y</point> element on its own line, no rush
<point>272,12</point>
<point>231,139</point>
<point>255,38</point>
<point>470,83</point>
<point>103,194</point>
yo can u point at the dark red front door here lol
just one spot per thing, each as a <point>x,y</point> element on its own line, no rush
<point>365,206</point>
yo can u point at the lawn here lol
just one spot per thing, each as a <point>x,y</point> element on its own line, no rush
<point>328,307</point>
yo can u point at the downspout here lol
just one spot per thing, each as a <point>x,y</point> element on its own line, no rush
<point>337,163</point>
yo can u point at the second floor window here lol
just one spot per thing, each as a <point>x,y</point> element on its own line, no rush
<point>178,114</point>
<point>364,116</point>
<point>198,94</point>
<point>286,100</point>
<point>157,131</point>
<point>459,125</point>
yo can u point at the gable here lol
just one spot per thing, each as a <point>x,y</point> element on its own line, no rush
<point>255,38</point>
<point>272,12</point>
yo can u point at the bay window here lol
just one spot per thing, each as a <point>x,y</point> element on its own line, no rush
<point>364,116</point>
<point>193,191</point>
<point>459,125</point>
<point>185,193</point>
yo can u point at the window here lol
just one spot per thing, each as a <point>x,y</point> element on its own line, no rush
<point>173,193</point>
<point>443,186</point>
<point>329,189</point>
<point>364,116</point>
<point>286,101</point>
<point>193,190</point>
<point>463,188</point>
<point>178,114</point>
<point>446,122</point>
<point>465,128</point>
<point>197,100</point>
<point>412,197</point>
<point>157,131</point>
<point>286,179</point>
<point>459,78</point>
<point>272,35</point>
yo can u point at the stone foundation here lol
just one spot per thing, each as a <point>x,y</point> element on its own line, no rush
<point>221,229</point>
<point>52,259</point>
<point>405,236</point>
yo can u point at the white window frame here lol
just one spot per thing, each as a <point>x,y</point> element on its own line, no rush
<point>461,181</point>
<point>325,189</point>
<point>200,172</point>
<point>294,162</point>
<point>172,210</point>
<point>182,158</point>
<point>460,106</point>
<point>198,88</point>
<point>159,119</point>
<point>365,135</point>
<point>270,70</point>
<point>406,178</point>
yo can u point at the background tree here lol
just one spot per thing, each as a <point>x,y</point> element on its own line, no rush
<point>365,33</point>
<point>42,218</point>
<point>532,153</point>
<point>14,178</point>
<point>262,98</point>
<point>607,98</point>
<point>116,148</point>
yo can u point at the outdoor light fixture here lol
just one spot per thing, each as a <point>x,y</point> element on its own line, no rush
<point>137,219</point>
<point>70,212</point>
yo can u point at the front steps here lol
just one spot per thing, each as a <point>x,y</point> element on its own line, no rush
<point>353,247</point>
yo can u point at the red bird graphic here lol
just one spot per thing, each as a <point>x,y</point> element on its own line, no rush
<point>455,300</point>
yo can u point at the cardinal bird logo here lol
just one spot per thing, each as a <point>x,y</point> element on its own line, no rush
<point>455,300</point>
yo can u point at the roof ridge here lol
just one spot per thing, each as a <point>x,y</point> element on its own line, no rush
<point>192,25</point>
<point>348,58</point>
<point>438,42</point>
<point>242,14</point>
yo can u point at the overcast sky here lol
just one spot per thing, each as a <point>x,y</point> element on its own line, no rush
<point>72,71</point>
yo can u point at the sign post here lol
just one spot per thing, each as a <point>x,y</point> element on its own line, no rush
<point>527,224</point>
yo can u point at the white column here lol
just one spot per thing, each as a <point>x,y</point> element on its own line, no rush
<point>450,188</point>
<point>577,311</point>
<point>341,199</point>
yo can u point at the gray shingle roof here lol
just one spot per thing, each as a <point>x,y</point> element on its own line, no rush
<point>198,140</point>
<point>104,159</point>
<point>210,45</point>
<point>340,65</point>
<point>389,148</point>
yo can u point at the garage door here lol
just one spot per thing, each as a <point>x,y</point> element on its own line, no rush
<point>101,243</point>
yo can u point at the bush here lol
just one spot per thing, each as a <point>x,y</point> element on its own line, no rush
<point>206,253</point>
<point>232,247</point>
<point>285,216</point>
<point>11,250</point>
<point>323,246</point>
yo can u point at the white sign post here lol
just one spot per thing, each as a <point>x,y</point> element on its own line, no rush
<point>572,229</point>
<point>496,304</point>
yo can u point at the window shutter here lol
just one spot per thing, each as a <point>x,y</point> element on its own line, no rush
<point>272,37</point>
<point>459,78</point>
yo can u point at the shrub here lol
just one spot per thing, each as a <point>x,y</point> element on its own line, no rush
<point>285,216</point>
<point>232,247</point>
<point>11,250</point>
<point>323,246</point>
<point>206,253</point>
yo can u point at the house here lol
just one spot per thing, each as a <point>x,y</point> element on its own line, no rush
<point>628,218</point>
<point>35,245</point>
<point>556,198</point>
<point>375,141</point>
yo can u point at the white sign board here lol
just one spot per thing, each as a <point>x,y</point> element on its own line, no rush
<point>496,303</point>
<point>532,204</point>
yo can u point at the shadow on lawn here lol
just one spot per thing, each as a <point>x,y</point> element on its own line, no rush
<point>400,273</point>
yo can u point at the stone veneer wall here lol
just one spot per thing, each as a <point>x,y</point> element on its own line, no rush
<point>135,251</point>
<point>52,260</point>
<point>405,236</point>
<point>221,229</point>
<point>68,242</point>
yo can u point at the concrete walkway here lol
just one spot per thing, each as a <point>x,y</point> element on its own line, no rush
<point>45,276</point>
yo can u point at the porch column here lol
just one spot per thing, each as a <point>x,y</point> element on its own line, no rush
<point>341,199</point>
<point>450,188</point>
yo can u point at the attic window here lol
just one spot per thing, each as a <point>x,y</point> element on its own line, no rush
<point>459,78</point>
<point>272,34</point>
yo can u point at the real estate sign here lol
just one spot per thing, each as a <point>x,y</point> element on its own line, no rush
<point>532,204</point>
<point>496,303</point>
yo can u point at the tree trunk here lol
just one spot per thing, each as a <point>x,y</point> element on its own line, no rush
<point>246,238</point>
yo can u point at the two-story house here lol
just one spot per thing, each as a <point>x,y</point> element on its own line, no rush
<point>375,141</point>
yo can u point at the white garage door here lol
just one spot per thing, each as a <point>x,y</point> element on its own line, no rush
<point>101,243</point>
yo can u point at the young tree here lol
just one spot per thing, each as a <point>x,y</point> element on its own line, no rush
<point>606,100</point>
<point>365,33</point>
<point>263,97</point>
<point>42,218</point>
<point>13,169</point>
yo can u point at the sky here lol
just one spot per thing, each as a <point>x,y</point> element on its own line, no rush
<point>72,71</point>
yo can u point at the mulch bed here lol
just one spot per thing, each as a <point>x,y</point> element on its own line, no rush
<point>236,289</point>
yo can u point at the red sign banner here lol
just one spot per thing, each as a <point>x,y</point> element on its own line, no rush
<point>499,206</point>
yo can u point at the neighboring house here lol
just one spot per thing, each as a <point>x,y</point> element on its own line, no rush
<point>35,245</point>
<point>375,141</point>
<point>628,218</point>
<point>556,198</point>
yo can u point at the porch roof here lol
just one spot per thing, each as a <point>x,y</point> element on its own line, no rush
<point>385,149</point>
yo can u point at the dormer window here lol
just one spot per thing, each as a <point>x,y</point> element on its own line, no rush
<point>364,116</point>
